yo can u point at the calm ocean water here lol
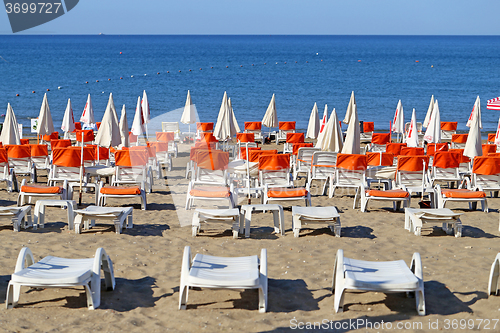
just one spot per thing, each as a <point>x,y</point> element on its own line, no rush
<point>300,70</point>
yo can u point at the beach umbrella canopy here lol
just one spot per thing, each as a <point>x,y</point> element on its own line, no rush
<point>88,114</point>
<point>475,109</point>
<point>493,104</point>
<point>331,137</point>
<point>352,144</point>
<point>324,120</point>
<point>45,124</point>
<point>138,123</point>
<point>189,114</point>
<point>313,126</point>
<point>271,117</point>
<point>433,131</point>
<point>473,146</point>
<point>108,134</point>
<point>224,128</point>
<point>235,123</point>
<point>429,111</point>
<point>10,131</point>
<point>398,124</point>
<point>68,123</point>
<point>350,109</point>
<point>124,136</point>
<point>412,138</point>
<point>145,108</point>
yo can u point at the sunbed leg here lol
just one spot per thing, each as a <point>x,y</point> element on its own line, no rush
<point>296,225</point>
<point>13,293</point>
<point>338,282</point>
<point>195,224</point>
<point>184,289</point>
<point>494,274</point>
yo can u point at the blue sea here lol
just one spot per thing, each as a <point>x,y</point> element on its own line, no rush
<point>300,70</point>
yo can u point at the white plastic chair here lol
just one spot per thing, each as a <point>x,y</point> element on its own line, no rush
<point>379,276</point>
<point>207,271</point>
<point>349,173</point>
<point>304,161</point>
<point>322,167</point>
<point>54,272</point>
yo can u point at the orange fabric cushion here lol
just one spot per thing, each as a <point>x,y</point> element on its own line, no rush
<point>286,125</point>
<point>41,189</point>
<point>491,137</point>
<point>245,137</point>
<point>211,192</point>
<point>379,158</point>
<point>273,162</point>
<point>205,127</point>
<point>462,193</point>
<point>253,125</point>
<point>394,148</point>
<point>121,190</point>
<point>412,163</point>
<point>381,138</point>
<point>449,125</point>
<point>368,126</point>
<point>462,138</point>
<point>485,165</point>
<point>351,161</point>
<point>388,194</point>
<point>295,137</point>
<point>283,192</point>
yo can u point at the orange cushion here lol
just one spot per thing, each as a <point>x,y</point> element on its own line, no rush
<point>463,193</point>
<point>388,193</point>
<point>283,192</point>
<point>41,189</point>
<point>211,192</point>
<point>121,190</point>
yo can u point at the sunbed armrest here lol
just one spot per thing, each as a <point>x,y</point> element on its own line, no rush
<point>416,266</point>
<point>25,257</point>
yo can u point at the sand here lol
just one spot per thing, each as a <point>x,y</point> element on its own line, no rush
<point>147,261</point>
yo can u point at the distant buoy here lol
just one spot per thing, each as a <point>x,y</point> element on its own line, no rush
<point>59,87</point>
<point>109,79</point>
<point>285,62</point>
<point>317,53</point>
<point>33,91</point>
<point>416,61</point>
<point>252,64</point>
<point>145,74</point>
<point>131,76</point>
<point>86,81</point>
<point>190,70</point>
<point>241,65</point>
<point>102,92</point>
<point>296,62</point>
<point>227,66</point>
<point>158,73</point>
<point>168,72</point>
<point>265,64</point>
<point>17,94</point>
<point>120,53</point>
<point>432,66</point>
<point>276,63</point>
<point>211,66</point>
<point>307,62</point>
<point>321,59</point>
<point>121,78</point>
<point>96,80</point>
<point>179,71</point>
<point>359,60</point>
<point>48,89</point>
<point>200,68</point>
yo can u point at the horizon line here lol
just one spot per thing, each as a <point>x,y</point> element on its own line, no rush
<point>270,35</point>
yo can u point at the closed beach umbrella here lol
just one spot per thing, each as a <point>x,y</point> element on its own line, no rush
<point>324,120</point>
<point>350,109</point>
<point>313,126</point>
<point>45,124</point>
<point>475,109</point>
<point>473,146</point>
<point>271,117</point>
<point>68,123</point>
<point>108,134</point>
<point>224,128</point>
<point>138,124</point>
<point>331,137</point>
<point>352,144</point>
<point>235,123</point>
<point>433,131</point>
<point>88,114</point>
<point>146,114</point>
<point>412,138</point>
<point>497,135</point>
<point>124,136</point>
<point>398,124</point>
<point>10,131</point>
<point>429,111</point>
<point>188,115</point>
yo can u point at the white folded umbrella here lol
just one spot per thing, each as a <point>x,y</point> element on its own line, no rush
<point>45,123</point>
<point>331,137</point>
<point>433,131</point>
<point>138,124</point>
<point>313,126</point>
<point>68,123</point>
<point>352,144</point>
<point>224,128</point>
<point>189,114</point>
<point>108,134</point>
<point>324,120</point>
<point>412,138</point>
<point>10,130</point>
<point>398,124</point>
<point>473,146</point>
<point>124,136</point>
<point>88,114</point>
<point>429,112</point>
<point>350,109</point>
<point>475,110</point>
<point>235,123</point>
<point>145,111</point>
<point>271,117</point>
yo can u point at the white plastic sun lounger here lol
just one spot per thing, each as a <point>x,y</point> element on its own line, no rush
<point>224,273</point>
<point>54,272</point>
<point>116,214</point>
<point>381,276</point>
<point>415,219</point>
<point>231,216</point>
<point>494,274</point>
<point>321,215</point>
<point>21,216</point>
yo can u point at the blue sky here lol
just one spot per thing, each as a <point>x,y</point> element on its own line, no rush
<point>330,17</point>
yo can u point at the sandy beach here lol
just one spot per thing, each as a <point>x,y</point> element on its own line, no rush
<point>147,261</point>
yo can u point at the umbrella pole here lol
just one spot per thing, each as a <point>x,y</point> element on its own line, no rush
<point>81,174</point>
<point>248,175</point>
